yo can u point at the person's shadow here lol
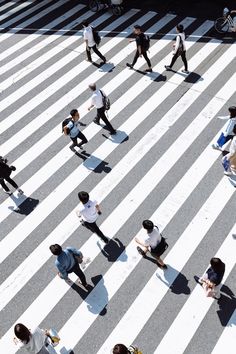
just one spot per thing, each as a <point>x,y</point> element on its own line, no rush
<point>180,283</point>
<point>227,305</point>
<point>93,163</point>
<point>118,138</point>
<point>23,205</point>
<point>114,250</point>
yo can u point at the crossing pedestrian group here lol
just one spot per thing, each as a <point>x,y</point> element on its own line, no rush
<point>69,259</point>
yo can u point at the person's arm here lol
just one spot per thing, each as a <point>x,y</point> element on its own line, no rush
<point>140,242</point>
<point>62,273</point>
<point>97,206</point>
<point>91,105</point>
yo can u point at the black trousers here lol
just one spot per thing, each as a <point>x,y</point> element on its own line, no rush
<point>183,57</point>
<point>94,48</point>
<point>144,53</point>
<point>76,269</point>
<point>9,180</point>
<point>92,226</point>
<point>82,137</point>
<point>101,114</point>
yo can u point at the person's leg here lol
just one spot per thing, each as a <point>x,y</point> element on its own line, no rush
<point>94,228</point>
<point>159,260</point>
<point>13,183</point>
<point>147,59</point>
<point>99,53</point>
<point>136,56</point>
<point>83,139</point>
<point>4,186</point>
<point>88,52</point>
<point>175,56</point>
<point>183,57</point>
<point>102,115</point>
<point>76,269</point>
<point>97,118</point>
<point>75,142</point>
<point>217,291</point>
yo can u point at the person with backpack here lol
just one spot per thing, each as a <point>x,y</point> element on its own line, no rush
<point>70,126</point>
<point>154,243</point>
<point>179,49</point>
<point>92,39</point>
<point>227,133</point>
<point>68,261</point>
<point>5,173</point>
<point>143,44</point>
<point>100,101</point>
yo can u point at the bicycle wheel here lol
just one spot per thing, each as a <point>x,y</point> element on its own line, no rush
<point>221,25</point>
<point>117,10</point>
<point>94,5</point>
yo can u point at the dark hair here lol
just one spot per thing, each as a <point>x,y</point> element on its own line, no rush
<point>22,332</point>
<point>83,197</point>
<point>217,264</point>
<point>232,111</point>
<point>85,23</point>
<point>92,87</point>
<point>138,27</point>
<point>180,28</point>
<point>73,112</point>
<point>55,249</point>
<point>120,349</point>
<point>148,225</point>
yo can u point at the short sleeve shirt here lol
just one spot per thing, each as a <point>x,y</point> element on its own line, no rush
<point>74,128</point>
<point>152,239</point>
<point>88,211</point>
<point>88,35</point>
<point>96,99</point>
<point>36,342</point>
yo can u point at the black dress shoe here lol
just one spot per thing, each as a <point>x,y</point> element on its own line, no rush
<point>196,278</point>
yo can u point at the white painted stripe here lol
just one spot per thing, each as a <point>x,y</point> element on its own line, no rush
<point>60,82</point>
<point>42,59</point>
<point>195,308</point>
<point>131,202</point>
<point>227,339</point>
<point>15,9</point>
<point>5,6</point>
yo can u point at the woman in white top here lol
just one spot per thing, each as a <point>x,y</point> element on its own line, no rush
<point>34,342</point>
<point>227,132</point>
<point>179,49</point>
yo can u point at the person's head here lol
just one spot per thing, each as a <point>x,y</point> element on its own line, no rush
<point>137,29</point>
<point>92,87</point>
<point>55,249</point>
<point>180,28</point>
<point>148,225</point>
<point>120,349</point>
<point>85,24</point>
<point>74,114</point>
<point>22,332</point>
<point>83,197</point>
<point>232,111</point>
<point>216,264</point>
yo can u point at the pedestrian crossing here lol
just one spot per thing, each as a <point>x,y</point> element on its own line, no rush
<point>159,165</point>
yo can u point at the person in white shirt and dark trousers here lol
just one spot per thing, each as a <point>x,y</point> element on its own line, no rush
<point>90,43</point>
<point>97,102</point>
<point>88,211</point>
<point>179,49</point>
<point>227,133</point>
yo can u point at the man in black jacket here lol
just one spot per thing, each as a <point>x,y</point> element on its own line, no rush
<point>5,172</point>
<point>142,48</point>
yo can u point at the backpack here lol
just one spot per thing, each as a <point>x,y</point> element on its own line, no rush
<point>146,42</point>
<point>64,123</point>
<point>106,101</point>
<point>96,37</point>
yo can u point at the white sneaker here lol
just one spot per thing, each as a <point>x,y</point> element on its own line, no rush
<point>8,192</point>
<point>227,173</point>
<point>20,191</point>
<point>185,71</point>
<point>216,147</point>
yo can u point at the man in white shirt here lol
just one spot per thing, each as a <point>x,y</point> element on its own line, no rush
<point>97,102</point>
<point>72,129</point>
<point>154,243</point>
<point>90,43</point>
<point>88,211</point>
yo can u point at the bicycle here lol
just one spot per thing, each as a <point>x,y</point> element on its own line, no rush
<point>224,23</point>
<point>114,5</point>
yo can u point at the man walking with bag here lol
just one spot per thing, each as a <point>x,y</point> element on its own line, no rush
<point>98,100</point>
<point>68,261</point>
<point>90,41</point>
<point>5,173</point>
<point>142,42</point>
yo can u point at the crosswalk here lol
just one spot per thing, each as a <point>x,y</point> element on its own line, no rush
<point>159,165</point>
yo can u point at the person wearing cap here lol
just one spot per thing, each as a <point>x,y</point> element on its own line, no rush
<point>179,49</point>
<point>154,243</point>
<point>227,133</point>
<point>141,50</point>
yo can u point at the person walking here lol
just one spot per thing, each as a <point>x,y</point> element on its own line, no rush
<point>154,243</point>
<point>88,211</point>
<point>97,101</point>
<point>34,341</point>
<point>211,280</point>
<point>67,262</point>
<point>142,42</point>
<point>72,129</point>
<point>229,160</point>
<point>90,43</point>
<point>227,133</point>
<point>179,49</point>
<point>5,173</point>
<point>122,349</point>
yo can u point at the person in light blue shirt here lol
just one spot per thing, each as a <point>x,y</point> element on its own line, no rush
<point>72,129</point>
<point>66,262</point>
<point>227,132</point>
